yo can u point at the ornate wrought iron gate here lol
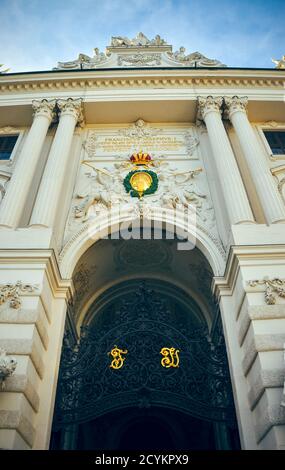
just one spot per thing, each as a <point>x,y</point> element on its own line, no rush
<point>143,323</point>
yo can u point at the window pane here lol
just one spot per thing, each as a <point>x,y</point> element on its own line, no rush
<point>276,140</point>
<point>7,143</point>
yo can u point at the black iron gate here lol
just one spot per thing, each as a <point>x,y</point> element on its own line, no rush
<point>143,324</point>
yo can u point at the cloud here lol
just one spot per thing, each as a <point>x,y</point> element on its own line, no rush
<point>35,35</point>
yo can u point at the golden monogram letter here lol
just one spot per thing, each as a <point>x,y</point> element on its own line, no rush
<point>118,360</point>
<point>171,357</point>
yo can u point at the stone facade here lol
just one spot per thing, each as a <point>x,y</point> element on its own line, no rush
<point>203,124</point>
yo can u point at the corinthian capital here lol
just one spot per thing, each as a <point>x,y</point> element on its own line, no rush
<point>235,104</point>
<point>44,108</point>
<point>209,104</point>
<point>71,106</point>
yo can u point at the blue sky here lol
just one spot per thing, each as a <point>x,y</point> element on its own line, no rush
<point>36,34</point>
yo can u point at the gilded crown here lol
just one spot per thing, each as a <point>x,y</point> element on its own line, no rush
<point>141,158</point>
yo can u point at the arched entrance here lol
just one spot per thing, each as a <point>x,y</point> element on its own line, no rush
<point>143,405</point>
<point>143,295</point>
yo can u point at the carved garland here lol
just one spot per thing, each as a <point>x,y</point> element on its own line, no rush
<point>274,288</point>
<point>12,293</point>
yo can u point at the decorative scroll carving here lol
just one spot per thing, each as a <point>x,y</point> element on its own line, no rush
<point>139,51</point>
<point>12,292</point>
<point>280,63</point>
<point>139,130</point>
<point>8,365</point>
<point>234,104</point>
<point>273,288</point>
<point>73,106</point>
<point>82,280</point>
<point>44,107</point>
<point>195,59</point>
<point>84,61</point>
<point>208,104</point>
<point>140,59</point>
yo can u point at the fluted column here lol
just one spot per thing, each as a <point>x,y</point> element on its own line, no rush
<point>266,189</point>
<point>19,185</point>
<point>48,196</point>
<point>238,208</point>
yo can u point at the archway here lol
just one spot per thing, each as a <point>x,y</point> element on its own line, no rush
<point>146,307</point>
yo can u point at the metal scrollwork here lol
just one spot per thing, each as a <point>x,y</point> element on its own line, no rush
<point>144,323</point>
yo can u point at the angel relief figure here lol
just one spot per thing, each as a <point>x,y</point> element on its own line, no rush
<point>180,190</point>
<point>100,191</point>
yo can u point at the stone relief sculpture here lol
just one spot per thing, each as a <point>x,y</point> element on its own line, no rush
<point>12,292</point>
<point>138,52</point>
<point>195,59</point>
<point>102,189</point>
<point>139,40</point>
<point>84,61</point>
<point>8,365</point>
<point>280,63</point>
<point>274,288</point>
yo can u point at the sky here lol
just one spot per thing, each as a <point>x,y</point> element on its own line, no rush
<point>36,34</point>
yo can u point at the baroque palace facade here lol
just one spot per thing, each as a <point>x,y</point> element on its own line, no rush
<point>108,340</point>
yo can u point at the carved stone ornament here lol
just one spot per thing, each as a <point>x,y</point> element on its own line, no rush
<point>235,104</point>
<point>139,40</point>
<point>280,63</point>
<point>195,59</point>
<point>8,130</point>
<point>12,292</point>
<point>72,106</point>
<point>84,61</point>
<point>3,70</point>
<point>44,108</point>
<point>138,52</point>
<point>105,189</point>
<point>140,59</point>
<point>139,130</point>
<point>8,365</point>
<point>273,288</point>
<point>208,104</point>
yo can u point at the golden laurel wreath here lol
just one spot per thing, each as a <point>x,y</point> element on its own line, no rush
<point>140,183</point>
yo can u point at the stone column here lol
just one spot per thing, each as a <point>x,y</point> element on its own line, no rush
<point>234,193</point>
<point>18,188</point>
<point>47,200</point>
<point>266,189</point>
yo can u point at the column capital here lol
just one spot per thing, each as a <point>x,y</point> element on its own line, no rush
<point>44,108</point>
<point>208,104</point>
<point>234,104</point>
<point>72,107</point>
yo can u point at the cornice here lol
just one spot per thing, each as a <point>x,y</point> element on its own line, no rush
<point>244,255</point>
<point>100,79</point>
<point>39,258</point>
